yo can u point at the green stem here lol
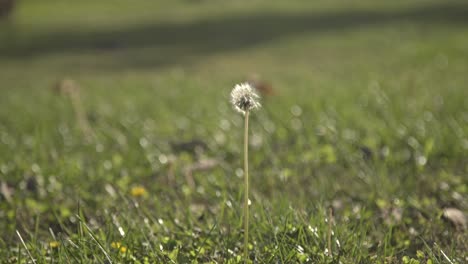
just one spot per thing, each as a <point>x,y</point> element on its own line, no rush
<point>330,215</point>
<point>246,187</point>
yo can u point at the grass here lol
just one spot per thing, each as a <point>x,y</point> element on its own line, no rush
<point>369,117</point>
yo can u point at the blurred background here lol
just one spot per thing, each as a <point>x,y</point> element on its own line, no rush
<point>365,111</point>
<point>118,36</point>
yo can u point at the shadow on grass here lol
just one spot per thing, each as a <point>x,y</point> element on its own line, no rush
<point>155,45</point>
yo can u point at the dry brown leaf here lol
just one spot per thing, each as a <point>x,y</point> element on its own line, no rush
<point>6,191</point>
<point>265,88</point>
<point>456,217</point>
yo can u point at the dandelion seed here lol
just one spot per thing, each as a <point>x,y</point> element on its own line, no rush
<point>244,98</point>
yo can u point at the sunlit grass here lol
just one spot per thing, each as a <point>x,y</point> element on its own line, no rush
<point>370,120</point>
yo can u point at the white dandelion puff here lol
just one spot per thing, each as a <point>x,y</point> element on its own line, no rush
<point>244,98</point>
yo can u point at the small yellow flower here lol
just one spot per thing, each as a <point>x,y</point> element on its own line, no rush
<point>123,249</point>
<point>118,245</point>
<point>54,244</point>
<point>138,191</point>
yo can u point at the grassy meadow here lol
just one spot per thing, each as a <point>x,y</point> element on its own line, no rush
<point>367,115</point>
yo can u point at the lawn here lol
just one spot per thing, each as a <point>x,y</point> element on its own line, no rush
<point>141,162</point>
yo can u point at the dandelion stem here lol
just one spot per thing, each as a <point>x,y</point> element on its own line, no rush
<point>244,99</point>
<point>246,187</point>
<point>80,114</point>
<point>330,215</point>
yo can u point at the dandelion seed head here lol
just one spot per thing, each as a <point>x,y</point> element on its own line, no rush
<point>244,98</point>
